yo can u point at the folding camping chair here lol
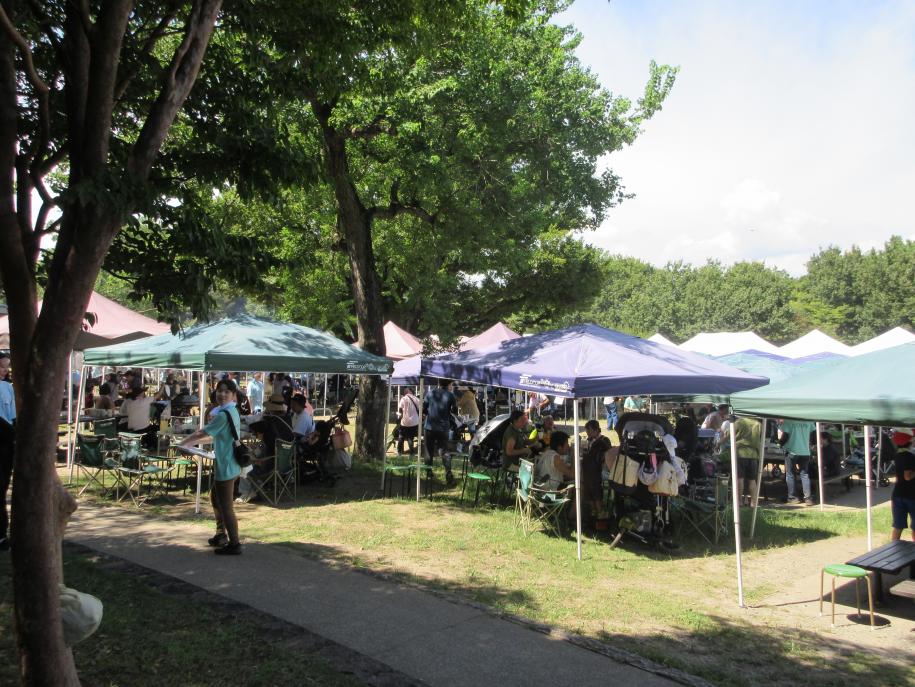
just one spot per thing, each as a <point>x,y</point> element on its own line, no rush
<point>134,468</point>
<point>535,505</point>
<point>708,508</point>
<point>282,479</point>
<point>91,461</point>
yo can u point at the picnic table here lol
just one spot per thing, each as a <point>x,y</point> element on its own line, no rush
<point>889,558</point>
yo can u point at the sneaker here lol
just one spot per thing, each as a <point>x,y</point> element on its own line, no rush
<point>228,550</point>
<point>219,540</point>
<point>449,480</point>
<point>791,499</point>
<point>808,501</point>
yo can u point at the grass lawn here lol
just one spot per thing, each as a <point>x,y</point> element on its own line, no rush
<point>150,636</point>
<point>678,608</point>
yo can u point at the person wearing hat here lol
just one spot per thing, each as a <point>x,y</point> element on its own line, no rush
<point>904,489</point>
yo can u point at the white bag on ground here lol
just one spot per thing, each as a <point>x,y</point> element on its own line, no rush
<point>80,614</point>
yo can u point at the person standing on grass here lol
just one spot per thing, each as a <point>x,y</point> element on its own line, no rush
<point>408,412</point>
<point>7,443</point>
<point>225,469</point>
<point>612,409</point>
<point>592,465</point>
<point>439,406</point>
<point>904,489</point>
<point>794,436</point>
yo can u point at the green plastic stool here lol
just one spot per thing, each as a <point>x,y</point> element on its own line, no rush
<point>850,572</point>
<point>479,478</point>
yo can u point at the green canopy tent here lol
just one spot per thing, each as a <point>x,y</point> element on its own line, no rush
<point>873,389</point>
<point>243,343</point>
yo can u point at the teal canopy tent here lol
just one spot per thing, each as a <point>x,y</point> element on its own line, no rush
<point>244,343</point>
<point>873,389</point>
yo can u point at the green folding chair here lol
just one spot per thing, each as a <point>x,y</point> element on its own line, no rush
<point>282,479</point>
<point>536,506</point>
<point>90,461</point>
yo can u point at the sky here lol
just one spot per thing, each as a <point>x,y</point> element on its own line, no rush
<point>791,126</point>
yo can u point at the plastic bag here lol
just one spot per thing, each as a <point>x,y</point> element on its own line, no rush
<point>80,614</point>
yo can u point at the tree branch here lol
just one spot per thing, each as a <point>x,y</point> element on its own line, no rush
<point>148,44</point>
<point>41,88</point>
<point>380,125</point>
<point>177,84</point>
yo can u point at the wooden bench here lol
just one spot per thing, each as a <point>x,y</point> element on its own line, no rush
<point>905,588</point>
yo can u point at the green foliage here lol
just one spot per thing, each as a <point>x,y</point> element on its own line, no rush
<point>861,294</point>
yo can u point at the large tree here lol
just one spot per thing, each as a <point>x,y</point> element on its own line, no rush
<point>89,90</point>
<point>427,161</point>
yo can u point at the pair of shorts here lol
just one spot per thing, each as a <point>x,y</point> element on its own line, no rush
<point>903,507</point>
<point>747,468</point>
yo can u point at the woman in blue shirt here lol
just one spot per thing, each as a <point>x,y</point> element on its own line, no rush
<point>226,470</point>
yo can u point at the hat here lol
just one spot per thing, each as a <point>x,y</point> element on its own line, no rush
<point>276,404</point>
<point>902,435</point>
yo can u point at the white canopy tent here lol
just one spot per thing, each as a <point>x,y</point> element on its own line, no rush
<point>661,339</point>
<point>725,343</point>
<point>894,337</point>
<point>814,342</point>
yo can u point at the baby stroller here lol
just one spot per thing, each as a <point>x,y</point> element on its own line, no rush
<point>323,457</point>
<point>486,446</point>
<point>637,511</point>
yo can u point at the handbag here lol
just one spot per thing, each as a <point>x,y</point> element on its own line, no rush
<point>240,451</point>
<point>667,483</point>
<point>342,438</point>
<point>624,474</point>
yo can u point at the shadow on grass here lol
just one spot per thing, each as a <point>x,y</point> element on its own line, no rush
<point>730,653</point>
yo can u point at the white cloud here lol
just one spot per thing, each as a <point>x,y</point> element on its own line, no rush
<point>789,127</point>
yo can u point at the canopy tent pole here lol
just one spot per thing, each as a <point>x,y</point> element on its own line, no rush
<point>759,476</point>
<point>577,480</point>
<point>868,485</point>
<point>735,497</point>
<point>325,393</point>
<point>820,467</point>
<point>419,435</point>
<point>201,393</point>
<point>70,453</point>
<point>70,401</point>
<point>384,434</point>
<point>486,401</point>
<point>879,456</point>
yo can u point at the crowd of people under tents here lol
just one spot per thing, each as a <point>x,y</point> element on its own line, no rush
<point>531,428</point>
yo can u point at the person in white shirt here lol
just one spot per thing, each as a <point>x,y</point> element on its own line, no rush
<point>408,412</point>
<point>136,410</point>
<point>552,470</point>
<point>256,393</point>
<point>716,420</point>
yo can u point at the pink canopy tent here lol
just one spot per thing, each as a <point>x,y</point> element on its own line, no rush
<point>494,335</point>
<point>113,324</point>
<point>399,343</point>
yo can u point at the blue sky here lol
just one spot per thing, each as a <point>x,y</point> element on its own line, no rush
<point>791,126</point>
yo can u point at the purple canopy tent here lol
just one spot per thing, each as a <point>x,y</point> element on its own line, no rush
<point>585,361</point>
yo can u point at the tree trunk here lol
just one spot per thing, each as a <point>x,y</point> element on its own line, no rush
<point>355,223</point>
